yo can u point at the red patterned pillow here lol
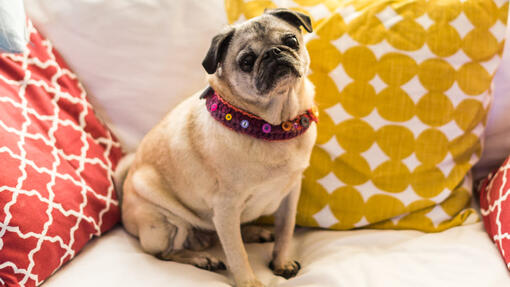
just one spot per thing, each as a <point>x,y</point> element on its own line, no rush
<point>56,162</point>
<point>495,208</point>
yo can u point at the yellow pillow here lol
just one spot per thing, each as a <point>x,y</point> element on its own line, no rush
<point>403,87</point>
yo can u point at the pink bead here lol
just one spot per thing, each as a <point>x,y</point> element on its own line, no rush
<point>214,107</point>
<point>266,128</point>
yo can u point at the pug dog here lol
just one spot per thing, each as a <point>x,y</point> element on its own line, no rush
<point>230,154</point>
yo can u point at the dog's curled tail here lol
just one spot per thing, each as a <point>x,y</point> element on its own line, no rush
<point>121,172</point>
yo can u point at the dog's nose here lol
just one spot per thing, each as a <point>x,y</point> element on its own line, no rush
<point>272,52</point>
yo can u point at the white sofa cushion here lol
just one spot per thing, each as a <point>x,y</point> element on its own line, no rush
<point>137,58</point>
<point>461,256</point>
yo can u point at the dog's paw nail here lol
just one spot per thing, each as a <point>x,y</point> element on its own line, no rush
<point>287,271</point>
<point>210,264</point>
<point>222,266</point>
<point>160,256</point>
<point>271,265</point>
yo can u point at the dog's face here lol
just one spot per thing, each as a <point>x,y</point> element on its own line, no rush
<point>261,58</point>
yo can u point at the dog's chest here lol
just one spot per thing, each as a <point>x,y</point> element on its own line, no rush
<point>265,198</point>
<point>262,173</point>
<point>266,181</point>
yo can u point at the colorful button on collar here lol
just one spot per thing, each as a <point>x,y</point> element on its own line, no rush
<point>266,128</point>
<point>245,124</point>
<point>286,126</point>
<point>305,121</point>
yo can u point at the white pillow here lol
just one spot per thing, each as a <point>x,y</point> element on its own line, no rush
<point>136,58</point>
<point>13,32</point>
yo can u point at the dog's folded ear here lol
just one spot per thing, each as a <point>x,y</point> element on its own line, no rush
<point>219,45</point>
<point>297,19</point>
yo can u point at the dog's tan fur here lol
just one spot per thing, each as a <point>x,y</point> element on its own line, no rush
<point>192,176</point>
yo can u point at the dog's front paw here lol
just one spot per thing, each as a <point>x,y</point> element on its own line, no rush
<point>288,270</point>
<point>251,283</point>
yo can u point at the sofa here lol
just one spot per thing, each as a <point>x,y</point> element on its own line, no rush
<point>138,59</point>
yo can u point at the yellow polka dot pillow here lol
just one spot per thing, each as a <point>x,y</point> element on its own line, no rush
<point>404,88</point>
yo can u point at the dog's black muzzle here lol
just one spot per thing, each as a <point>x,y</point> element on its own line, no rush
<point>274,65</point>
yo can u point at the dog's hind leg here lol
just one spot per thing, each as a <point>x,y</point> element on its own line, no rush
<point>256,234</point>
<point>159,226</point>
<point>170,242</point>
<point>199,239</point>
<point>200,259</point>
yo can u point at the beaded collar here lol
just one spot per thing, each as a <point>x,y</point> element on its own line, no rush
<point>246,123</point>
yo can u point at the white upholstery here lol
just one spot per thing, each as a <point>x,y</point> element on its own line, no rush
<point>462,256</point>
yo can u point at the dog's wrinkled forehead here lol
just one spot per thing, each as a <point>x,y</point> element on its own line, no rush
<point>262,31</point>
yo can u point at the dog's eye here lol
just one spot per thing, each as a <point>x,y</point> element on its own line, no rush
<point>291,41</point>
<point>247,62</point>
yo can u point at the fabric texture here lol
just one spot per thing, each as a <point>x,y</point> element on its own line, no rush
<point>57,157</point>
<point>13,32</point>
<point>495,208</point>
<point>403,89</point>
<point>246,123</point>
<point>459,257</point>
